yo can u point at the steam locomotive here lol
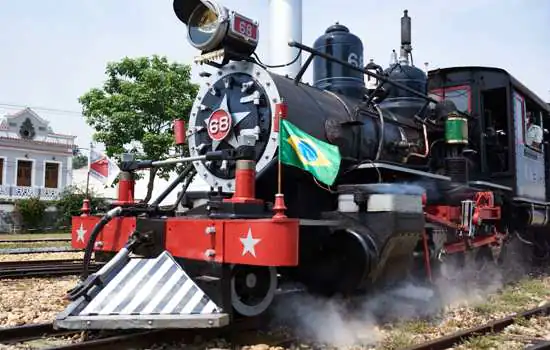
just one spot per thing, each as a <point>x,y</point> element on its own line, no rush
<point>433,167</point>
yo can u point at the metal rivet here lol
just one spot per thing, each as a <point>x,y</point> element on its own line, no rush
<point>210,253</point>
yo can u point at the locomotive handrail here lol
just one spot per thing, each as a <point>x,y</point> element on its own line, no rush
<point>312,51</point>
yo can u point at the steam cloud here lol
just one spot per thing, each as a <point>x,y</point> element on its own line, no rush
<point>339,323</point>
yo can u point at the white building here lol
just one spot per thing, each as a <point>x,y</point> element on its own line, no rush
<point>34,160</point>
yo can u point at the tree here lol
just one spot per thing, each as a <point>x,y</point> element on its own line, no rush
<point>70,203</point>
<point>80,161</point>
<point>138,103</point>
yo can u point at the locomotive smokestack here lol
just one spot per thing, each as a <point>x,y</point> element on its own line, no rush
<point>405,38</point>
<point>285,24</point>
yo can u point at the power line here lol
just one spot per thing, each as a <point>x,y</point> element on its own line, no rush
<point>39,108</point>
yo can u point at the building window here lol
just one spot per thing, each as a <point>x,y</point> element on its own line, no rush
<point>459,95</point>
<point>24,173</point>
<point>51,175</point>
<point>2,171</point>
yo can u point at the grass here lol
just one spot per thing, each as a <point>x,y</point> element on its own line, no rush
<point>515,297</point>
<point>13,245</point>
<point>489,342</point>
<point>523,295</point>
<point>398,340</point>
<point>11,236</point>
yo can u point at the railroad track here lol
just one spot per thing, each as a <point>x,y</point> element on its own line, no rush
<point>39,250</point>
<point>127,339</point>
<point>29,332</point>
<point>497,326</point>
<point>43,268</point>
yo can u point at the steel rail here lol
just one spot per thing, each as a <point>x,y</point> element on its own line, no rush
<point>136,338</point>
<point>146,338</point>
<point>9,251</point>
<point>29,263</point>
<point>125,341</point>
<point>43,269</point>
<point>28,332</point>
<point>453,340</point>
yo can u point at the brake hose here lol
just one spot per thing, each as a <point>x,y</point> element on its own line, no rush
<point>93,236</point>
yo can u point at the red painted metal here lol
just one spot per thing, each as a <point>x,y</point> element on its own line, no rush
<point>466,244</point>
<point>179,131</point>
<point>245,183</point>
<point>279,207</point>
<point>450,216</point>
<point>281,110</point>
<point>125,190</point>
<point>427,256</point>
<point>262,242</point>
<point>85,207</point>
<point>113,237</point>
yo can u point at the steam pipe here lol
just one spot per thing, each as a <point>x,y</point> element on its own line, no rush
<point>405,29</point>
<point>406,48</point>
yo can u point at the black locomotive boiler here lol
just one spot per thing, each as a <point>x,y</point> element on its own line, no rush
<point>415,188</point>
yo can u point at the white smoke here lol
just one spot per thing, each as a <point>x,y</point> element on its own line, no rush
<point>359,322</point>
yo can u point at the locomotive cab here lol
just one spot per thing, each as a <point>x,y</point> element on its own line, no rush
<point>506,131</point>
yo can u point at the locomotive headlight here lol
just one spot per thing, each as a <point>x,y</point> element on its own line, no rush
<point>212,27</point>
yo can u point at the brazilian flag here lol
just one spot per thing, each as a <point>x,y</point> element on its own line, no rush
<point>304,151</point>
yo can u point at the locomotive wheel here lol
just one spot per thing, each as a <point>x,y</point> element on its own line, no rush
<point>252,288</point>
<point>341,267</point>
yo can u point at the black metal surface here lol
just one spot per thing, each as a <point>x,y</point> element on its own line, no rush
<point>359,69</point>
<point>329,75</point>
<point>341,121</point>
<point>400,101</point>
<point>229,88</point>
<point>152,233</point>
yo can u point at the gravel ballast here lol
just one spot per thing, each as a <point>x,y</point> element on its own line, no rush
<point>33,300</point>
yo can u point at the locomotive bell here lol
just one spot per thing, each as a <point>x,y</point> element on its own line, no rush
<point>212,27</point>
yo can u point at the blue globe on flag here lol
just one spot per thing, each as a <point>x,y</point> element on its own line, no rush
<point>307,151</point>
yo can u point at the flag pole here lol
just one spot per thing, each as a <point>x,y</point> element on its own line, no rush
<point>279,206</point>
<point>88,174</point>
<point>279,167</point>
<point>86,202</point>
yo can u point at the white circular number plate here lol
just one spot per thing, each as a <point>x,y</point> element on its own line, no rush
<point>219,125</point>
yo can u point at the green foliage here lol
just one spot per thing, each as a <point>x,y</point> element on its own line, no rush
<point>80,161</point>
<point>70,202</point>
<point>137,104</point>
<point>31,212</point>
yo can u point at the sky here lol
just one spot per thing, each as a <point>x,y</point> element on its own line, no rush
<point>54,51</point>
